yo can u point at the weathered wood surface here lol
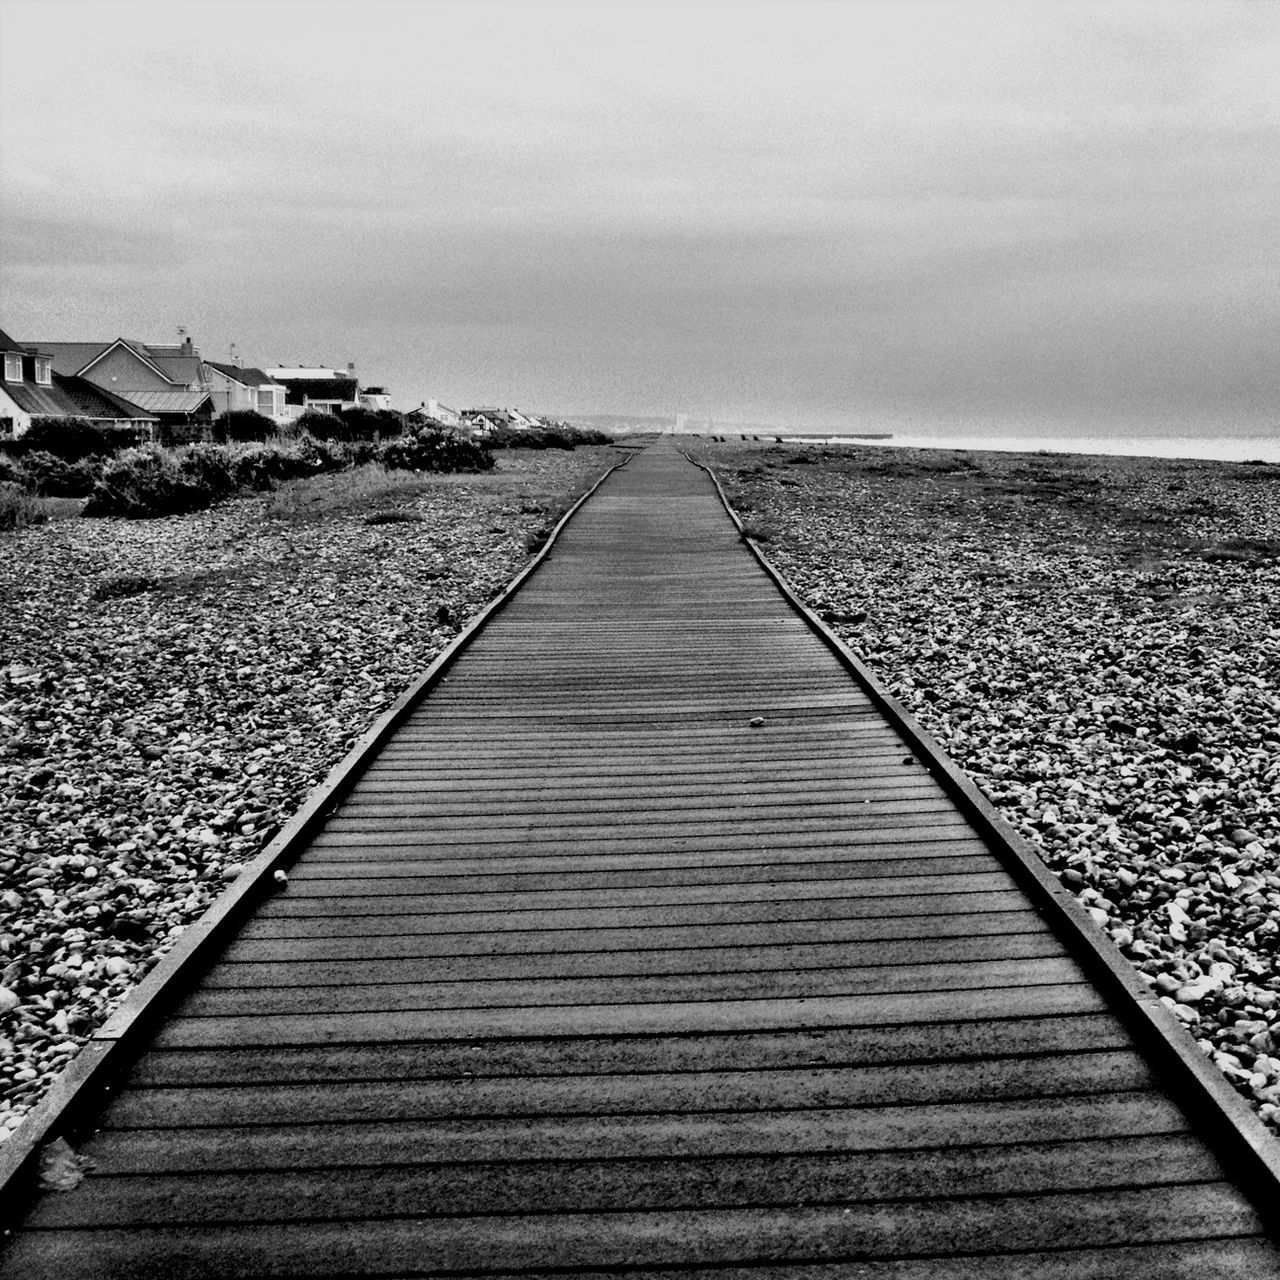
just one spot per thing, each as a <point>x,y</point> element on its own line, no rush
<point>589,973</point>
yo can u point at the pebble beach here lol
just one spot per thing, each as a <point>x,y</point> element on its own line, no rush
<point>172,689</point>
<point>1096,640</point>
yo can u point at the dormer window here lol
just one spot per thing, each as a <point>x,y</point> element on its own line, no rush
<point>44,371</point>
<point>12,367</point>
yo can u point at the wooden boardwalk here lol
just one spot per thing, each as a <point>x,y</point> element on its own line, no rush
<point>593,973</point>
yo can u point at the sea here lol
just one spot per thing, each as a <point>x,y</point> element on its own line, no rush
<point>1220,448</point>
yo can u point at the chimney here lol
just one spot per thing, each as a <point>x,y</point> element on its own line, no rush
<point>186,349</point>
<point>351,368</point>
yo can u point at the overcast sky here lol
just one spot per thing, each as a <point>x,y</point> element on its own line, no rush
<point>1038,212</point>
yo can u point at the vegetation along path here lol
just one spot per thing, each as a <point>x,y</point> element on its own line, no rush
<point>652,936</point>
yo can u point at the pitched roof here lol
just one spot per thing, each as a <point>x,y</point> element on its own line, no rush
<point>70,357</point>
<point>167,401</point>
<point>184,369</point>
<point>245,377</point>
<point>170,362</point>
<point>96,402</point>
<point>8,344</point>
<point>41,402</point>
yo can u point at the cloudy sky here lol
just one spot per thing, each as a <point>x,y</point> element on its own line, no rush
<point>1038,214</point>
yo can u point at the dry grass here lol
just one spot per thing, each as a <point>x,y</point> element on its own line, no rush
<point>20,509</point>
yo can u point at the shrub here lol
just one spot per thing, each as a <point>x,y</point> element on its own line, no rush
<point>70,439</point>
<point>434,451</point>
<point>242,426</point>
<point>322,426</point>
<point>54,477</point>
<point>18,508</point>
<point>544,438</point>
<point>207,471</point>
<point>263,466</point>
<point>142,482</point>
<point>369,424</point>
<point>361,451</point>
<point>325,455</point>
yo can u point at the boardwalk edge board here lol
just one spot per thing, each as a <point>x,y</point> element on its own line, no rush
<point>89,1074</point>
<point>1230,1125</point>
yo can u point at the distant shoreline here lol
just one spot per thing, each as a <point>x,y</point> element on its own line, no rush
<point>1225,449</point>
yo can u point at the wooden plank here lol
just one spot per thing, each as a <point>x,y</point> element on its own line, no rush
<point>231,974</point>
<point>321,943</point>
<point>695,1135</point>
<point>885,837</point>
<point>604,1186</point>
<point>938,1227</point>
<point>632,1019</point>
<point>276,919</point>
<point>745,984</point>
<point>589,889</point>
<point>619,1094</point>
<point>864,816</point>
<point>499,800</point>
<point>748,863</point>
<point>759,1050</point>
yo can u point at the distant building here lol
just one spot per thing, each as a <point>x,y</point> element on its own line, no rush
<point>166,381</point>
<point>435,411</point>
<point>375,398</point>
<point>235,389</point>
<point>315,389</point>
<point>33,390</point>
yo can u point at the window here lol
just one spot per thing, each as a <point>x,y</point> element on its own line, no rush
<point>44,371</point>
<point>12,367</point>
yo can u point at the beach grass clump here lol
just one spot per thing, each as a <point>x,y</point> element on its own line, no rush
<point>394,517</point>
<point>18,508</point>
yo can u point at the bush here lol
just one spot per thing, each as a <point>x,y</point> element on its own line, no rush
<point>322,426</point>
<point>263,466</point>
<point>206,469</point>
<point>54,477</point>
<point>242,426</point>
<point>325,455</point>
<point>434,451</point>
<point>143,482</point>
<point>70,439</point>
<point>545,438</point>
<point>371,424</point>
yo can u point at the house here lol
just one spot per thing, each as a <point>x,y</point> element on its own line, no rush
<point>435,411</point>
<point>311,389</point>
<point>495,417</point>
<point>165,381</point>
<point>377,398</point>
<point>235,389</point>
<point>33,389</point>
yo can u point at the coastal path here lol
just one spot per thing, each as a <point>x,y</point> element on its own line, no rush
<point>648,936</point>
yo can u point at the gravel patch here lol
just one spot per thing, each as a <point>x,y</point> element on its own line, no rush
<point>171,690</point>
<point>1097,642</point>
